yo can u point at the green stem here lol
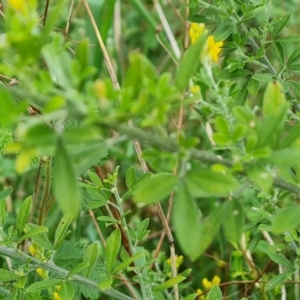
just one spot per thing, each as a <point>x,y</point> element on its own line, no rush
<point>46,191</point>
<point>24,258</point>
<point>201,155</point>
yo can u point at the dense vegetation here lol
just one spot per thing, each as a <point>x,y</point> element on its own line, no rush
<point>149,149</point>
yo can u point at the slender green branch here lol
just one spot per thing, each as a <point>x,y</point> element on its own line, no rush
<point>24,258</point>
<point>282,184</point>
<point>201,155</point>
<point>47,163</point>
<point>166,144</point>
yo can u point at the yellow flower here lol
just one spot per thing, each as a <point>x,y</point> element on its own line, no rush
<point>41,272</point>
<point>195,32</point>
<point>216,280</point>
<point>199,292</point>
<point>213,48</point>
<point>32,250</point>
<point>208,285</point>
<point>18,5</point>
<point>195,89</point>
<point>56,296</point>
<point>178,261</point>
<point>23,6</point>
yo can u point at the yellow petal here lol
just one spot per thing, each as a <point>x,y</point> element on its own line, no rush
<point>216,280</point>
<point>56,296</point>
<point>207,284</point>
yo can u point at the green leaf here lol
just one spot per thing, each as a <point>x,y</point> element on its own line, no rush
<point>156,188</point>
<point>33,232</point>
<point>3,213</point>
<point>43,285</point>
<point>270,129</point>
<point>285,157</point>
<point>274,98</point>
<point>40,239</point>
<point>9,110</point>
<point>52,19</point>
<point>61,230</point>
<point>261,177</point>
<point>91,256</point>
<point>253,86</point>
<point>281,53</point>
<point>98,195</point>
<point>235,220</point>
<point>279,24</point>
<point>223,30</point>
<point>142,229</point>
<point>55,62</point>
<point>23,215</point>
<point>122,266</point>
<point>196,18</point>
<point>169,283</point>
<point>288,39</point>
<point>236,74</point>
<point>222,126</point>
<point>190,63</point>
<point>130,177</point>
<point>78,268</point>
<point>204,182</point>
<point>40,135</point>
<point>5,193</point>
<point>96,204</point>
<point>106,282</point>
<point>242,95</point>
<point>95,178</point>
<point>292,135</point>
<point>186,222</point>
<point>280,260</point>
<point>286,219</point>
<point>214,293</point>
<point>6,275</point>
<point>107,219</point>
<point>265,78</point>
<point>113,244</point>
<point>140,68</point>
<point>191,297</point>
<point>66,291</point>
<point>295,86</point>
<point>277,280</point>
<point>210,227</point>
<point>254,242</point>
<point>65,182</point>
<point>294,56</point>
<point>87,155</point>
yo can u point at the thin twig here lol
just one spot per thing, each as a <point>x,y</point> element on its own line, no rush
<point>45,12</point>
<point>258,277</point>
<point>36,191</point>
<point>186,35</point>
<point>167,29</point>
<point>69,20</point>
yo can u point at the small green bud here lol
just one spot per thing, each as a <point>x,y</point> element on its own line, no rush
<point>274,98</point>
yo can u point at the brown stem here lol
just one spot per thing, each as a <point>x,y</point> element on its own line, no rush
<point>258,277</point>
<point>45,12</point>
